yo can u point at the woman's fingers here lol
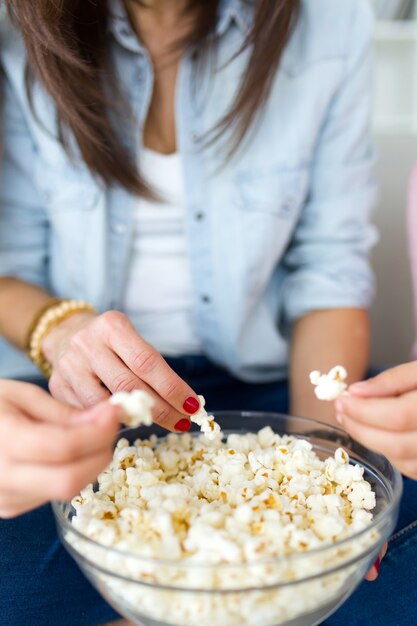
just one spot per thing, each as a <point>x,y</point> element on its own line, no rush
<point>147,364</point>
<point>395,446</point>
<point>45,443</point>
<point>51,458</point>
<point>107,355</point>
<point>13,504</point>
<point>382,415</point>
<point>386,425</point>
<point>61,482</point>
<point>105,371</point>
<point>33,402</point>
<point>117,377</point>
<point>75,382</point>
<point>63,392</point>
<point>392,382</point>
<point>397,414</point>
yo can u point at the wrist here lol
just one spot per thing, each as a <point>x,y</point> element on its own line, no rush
<point>50,320</point>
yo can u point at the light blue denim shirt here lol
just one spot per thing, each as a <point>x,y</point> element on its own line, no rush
<point>280,230</point>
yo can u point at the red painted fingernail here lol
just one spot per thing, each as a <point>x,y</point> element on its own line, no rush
<point>377,565</point>
<point>183,425</point>
<point>191,405</point>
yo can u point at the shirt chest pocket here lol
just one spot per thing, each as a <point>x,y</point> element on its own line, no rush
<point>279,193</point>
<point>68,189</point>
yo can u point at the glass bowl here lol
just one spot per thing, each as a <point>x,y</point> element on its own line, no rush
<point>300,589</point>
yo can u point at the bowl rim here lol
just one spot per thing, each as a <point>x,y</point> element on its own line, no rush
<point>376,523</point>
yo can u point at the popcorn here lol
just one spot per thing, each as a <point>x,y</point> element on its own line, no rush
<point>329,386</point>
<point>136,405</point>
<point>361,496</point>
<point>245,502</point>
<point>137,409</point>
<point>208,426</point>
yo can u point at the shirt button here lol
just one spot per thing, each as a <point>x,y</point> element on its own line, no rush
<point>206,299</point>
<point>119,229</point>
<point>195,138</point>
<point>199,216</point>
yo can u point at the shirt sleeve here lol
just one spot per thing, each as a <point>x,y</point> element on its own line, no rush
<point>327,262</point>
<point>23,220</point>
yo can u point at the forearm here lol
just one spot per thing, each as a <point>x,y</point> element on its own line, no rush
<point>19,303</point>
<point>321,340</point>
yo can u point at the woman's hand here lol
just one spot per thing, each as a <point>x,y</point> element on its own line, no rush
<point>49,451</point>
<point>93,355</point>
<point>381,413</point>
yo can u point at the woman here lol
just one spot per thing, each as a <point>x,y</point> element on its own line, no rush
<point>243,236</point>
<point>260,231</point>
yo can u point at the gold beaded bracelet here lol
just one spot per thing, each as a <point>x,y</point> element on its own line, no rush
<point>51,317</point>
<point>35,320</point>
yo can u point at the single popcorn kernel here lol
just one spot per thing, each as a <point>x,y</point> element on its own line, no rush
<point>208,426</point>
<point>136,406</point>
<point>329,386</point>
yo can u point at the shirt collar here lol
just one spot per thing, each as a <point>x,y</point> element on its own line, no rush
<point>237,11</point>
<point>120,27</point>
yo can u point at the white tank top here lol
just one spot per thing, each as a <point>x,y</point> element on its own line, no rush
<point>158,295</point>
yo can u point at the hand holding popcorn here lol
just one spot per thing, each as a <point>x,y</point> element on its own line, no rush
<point>381,413</point>
<point>93,356</point>
<point>48,450</point>
<point>137,410</point>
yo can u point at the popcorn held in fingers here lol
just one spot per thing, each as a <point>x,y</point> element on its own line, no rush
<point>208,426</point>
<point>136,406</point>
<point>137,411</point>
<point>329,386</point>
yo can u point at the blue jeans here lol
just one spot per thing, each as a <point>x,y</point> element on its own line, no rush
<point>40,584</point>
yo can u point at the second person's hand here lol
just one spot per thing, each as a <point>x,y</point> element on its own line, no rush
<point>95,355</point>
<point>381,413</point>
<point>49,450</point>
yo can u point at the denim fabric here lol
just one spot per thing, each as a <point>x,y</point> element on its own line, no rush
<point>40,584</point>
<point>391,600</point>
<point>277,231</point>
<point>225,392</point>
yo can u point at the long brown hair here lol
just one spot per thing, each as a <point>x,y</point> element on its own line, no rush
<point>67,50</point>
